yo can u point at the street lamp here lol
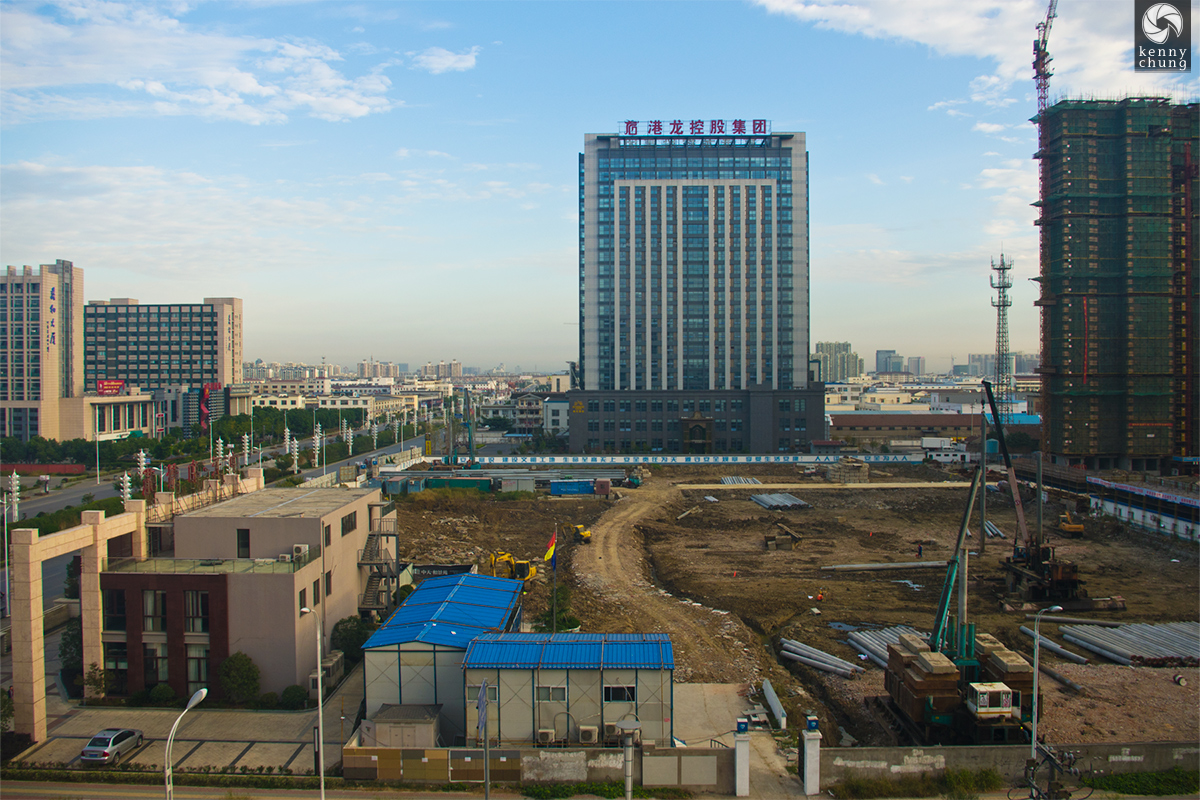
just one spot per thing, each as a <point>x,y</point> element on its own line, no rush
<point>196,698</point>
<point>320,742</point>
<point>1037,649</point>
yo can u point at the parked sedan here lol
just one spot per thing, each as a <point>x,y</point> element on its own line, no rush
<point>107,746</point>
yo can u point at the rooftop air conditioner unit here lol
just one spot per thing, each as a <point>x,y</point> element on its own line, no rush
<point>299,550</point>
<point>588,734</point>
<point>545,736</point>
<point>285,557</point>
<point>611,731</point>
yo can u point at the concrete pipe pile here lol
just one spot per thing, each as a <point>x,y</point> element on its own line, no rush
<point>815,664</point>
<point>1057,649</point>
<point>811,652</point>
<point>1171,645</point>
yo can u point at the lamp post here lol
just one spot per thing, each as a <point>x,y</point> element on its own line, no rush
<point>196,698</point>
<point>1037,649</point>
<point>320,741</point>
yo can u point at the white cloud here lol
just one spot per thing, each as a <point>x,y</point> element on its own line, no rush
<point>989,127</point>
<point>1090,42</point>
<point>437,60</point>
<point>875,179</point>
<point>86,60</point>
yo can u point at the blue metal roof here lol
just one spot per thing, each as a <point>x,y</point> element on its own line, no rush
<point>450,610</point>
<point>571,651</point>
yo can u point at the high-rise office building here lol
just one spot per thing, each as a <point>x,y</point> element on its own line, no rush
<point>838,361</point>
<point>888,361</point>
<point>916,365</point>
<point>693,290</point>
<point>41,311</point>
<point>154,346</point>
<point>1119,295</point>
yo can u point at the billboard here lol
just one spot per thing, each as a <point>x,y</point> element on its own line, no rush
<point>108,388</point>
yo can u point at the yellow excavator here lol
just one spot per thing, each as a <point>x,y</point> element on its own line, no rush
<point>510,567</point>
<point>1068,525</point>
<point>582,535</point>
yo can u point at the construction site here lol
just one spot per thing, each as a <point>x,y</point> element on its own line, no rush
<point>692,556</point>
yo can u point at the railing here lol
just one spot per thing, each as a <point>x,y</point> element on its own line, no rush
<point>208,566</point>
<point>374,556</point>
<point>181,505</point>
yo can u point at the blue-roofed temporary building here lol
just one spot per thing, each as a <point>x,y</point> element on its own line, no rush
<point>415,658</point>
<point>571,687</point>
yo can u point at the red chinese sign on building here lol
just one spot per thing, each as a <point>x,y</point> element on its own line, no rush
<point>108,388</point>
<point>695,127</point>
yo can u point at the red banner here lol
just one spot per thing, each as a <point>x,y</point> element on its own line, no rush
<point>109,388</point>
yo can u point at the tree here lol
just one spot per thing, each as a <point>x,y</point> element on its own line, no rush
<point>7,711</point>
<point>96,681</point>
<point>239,677</point>
<point>546,622</point>
<point>71,582</point>
<point>349,635</point>
<point>70,649</point>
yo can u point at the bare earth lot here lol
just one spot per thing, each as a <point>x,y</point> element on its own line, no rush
<point>708,580</point>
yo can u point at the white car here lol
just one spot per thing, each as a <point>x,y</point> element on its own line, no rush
<point>107,746</point>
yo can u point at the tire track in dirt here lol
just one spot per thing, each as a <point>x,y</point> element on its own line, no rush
<point>614,575</point>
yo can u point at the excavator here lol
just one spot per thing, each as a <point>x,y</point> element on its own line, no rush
<point>510,567</point>
<point>1068,525</point>
<point>582,535</point>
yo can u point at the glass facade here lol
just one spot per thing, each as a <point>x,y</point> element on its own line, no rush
<point>151,346</point>
<point>693,263</point>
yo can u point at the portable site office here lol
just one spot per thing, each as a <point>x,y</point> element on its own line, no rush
<point>571,688</point>
<point>416,657</point>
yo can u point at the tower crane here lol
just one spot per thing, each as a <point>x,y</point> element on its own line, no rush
<point>1041,58</point>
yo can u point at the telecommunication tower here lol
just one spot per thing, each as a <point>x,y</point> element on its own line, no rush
<point>1002,282</point>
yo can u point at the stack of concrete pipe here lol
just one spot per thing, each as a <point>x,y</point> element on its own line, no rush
<point>874,644</point>
<point>1057,649</point>
<point>811,656</point>
<point>1175,644</point>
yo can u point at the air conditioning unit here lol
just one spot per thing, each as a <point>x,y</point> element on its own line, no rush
<point>299,550</point>
<point>611,731</point>
<point>588,734</point>
<point>545,736</point>
<point>284,557</point>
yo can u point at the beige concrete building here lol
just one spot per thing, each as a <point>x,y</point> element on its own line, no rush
<point>41,347</point>
<point>236,579</point>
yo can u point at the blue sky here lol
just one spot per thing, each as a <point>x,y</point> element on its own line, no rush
<point>399,180</point>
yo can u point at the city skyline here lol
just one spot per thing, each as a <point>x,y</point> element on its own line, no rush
<point>331,163</point>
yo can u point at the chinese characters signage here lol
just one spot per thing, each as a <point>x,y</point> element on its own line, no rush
<point>695,127</point>
<point>109,387</point>
<point>52,319</point>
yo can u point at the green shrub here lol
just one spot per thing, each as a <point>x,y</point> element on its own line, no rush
<point>162,694</point>
<point>1173,781</point>
<point>268,700</point>
<point>294,697</point>
<point>349,635</point>
<point>962,784</point>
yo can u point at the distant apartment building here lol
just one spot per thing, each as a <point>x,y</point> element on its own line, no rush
<point>378,369</point>
<point>916,365</point>
<point>1026,363</point>
<point>1120,301</point>
<point>161,345</point>
<point>838,361</point>
<point>41,312</point>
<point>442,370</point>
<point>888,361</point>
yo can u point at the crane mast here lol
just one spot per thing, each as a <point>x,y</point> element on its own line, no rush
<point>1041,58</point>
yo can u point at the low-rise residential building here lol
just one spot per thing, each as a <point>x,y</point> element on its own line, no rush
<point>863,429</point>
<point>235,578</point>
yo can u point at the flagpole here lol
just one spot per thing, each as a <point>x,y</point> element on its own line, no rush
<point>554,595</point>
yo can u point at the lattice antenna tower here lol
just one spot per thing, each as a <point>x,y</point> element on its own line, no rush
<point>1002,282</point>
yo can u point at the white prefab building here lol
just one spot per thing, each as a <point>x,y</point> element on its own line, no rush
<point>571,688</point>
<point>415,658</point>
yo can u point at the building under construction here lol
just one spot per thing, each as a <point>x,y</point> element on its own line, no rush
<point>1118,284</point>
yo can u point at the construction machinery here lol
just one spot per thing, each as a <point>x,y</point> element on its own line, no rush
<point>509,567</point>
<point>959,687</point>
<point>1034,572</point>
<point>1068,525</point>
<point>582,535</point>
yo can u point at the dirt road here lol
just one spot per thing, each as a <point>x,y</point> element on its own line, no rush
<point>616,594</point>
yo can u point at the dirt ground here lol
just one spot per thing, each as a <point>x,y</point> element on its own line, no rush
<point>708,580</point>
